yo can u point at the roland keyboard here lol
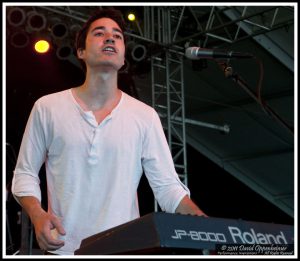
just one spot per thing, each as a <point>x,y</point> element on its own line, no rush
<point>160,232</point>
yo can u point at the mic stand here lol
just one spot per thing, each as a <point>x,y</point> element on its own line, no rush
<point>228,71</point>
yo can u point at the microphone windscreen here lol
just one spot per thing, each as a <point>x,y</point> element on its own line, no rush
<point>191,52</point>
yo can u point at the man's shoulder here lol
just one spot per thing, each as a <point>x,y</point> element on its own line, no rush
<point>137,105</point>
<point>53,97</point>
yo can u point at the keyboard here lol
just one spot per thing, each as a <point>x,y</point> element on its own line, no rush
<point>163,233</point>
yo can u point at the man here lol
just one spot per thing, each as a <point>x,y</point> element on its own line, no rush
<point>96,141</point>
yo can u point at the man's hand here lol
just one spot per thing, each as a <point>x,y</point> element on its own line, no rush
<point>44,223</point>
<point>187,206</point>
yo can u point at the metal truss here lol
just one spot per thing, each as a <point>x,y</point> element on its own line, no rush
<point>186,23</point>
<point>177,27</point>
<point>212,26</point>
<point>168,101</point>
<point>215,23</point>
<point>168,91</point>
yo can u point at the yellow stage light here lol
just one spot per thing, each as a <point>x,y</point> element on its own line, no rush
<point>131,17</point>
<point>42,46</point>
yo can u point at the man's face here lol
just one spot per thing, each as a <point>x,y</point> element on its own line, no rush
<point>105,46</point>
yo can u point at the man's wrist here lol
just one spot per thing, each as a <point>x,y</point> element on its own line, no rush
<point>187,206</point>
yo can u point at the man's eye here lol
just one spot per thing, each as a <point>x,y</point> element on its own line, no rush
<point>118,36</point>
<point>99,34</point>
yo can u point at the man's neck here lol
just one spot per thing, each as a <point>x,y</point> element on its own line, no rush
<point>99,90</point>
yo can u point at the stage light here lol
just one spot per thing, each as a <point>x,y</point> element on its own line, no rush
<point>59,30</point>
<point>138,51</point>
<point>131,17</point>
<point>16,16</point>
<point>42,46</point>
<point>74,29</point>
<point>36,22</point>
<point>64,52</point>
<point>19,39</point>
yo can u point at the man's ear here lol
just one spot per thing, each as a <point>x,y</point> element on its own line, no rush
<point>80,53</point>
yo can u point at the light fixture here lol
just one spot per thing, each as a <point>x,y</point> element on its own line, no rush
<point>59,30</point>
<point>16,16</point>
<point>36,21</point>
<point>42,46</point>
<point>19,39</point>
<point>131,17</point>
<point>138,51</point>
<point>64,52</point>
<point>74,29</point>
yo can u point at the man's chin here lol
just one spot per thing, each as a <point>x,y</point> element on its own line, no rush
<point>108,66</point>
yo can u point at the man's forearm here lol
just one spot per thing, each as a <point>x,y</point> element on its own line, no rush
<point>187,206</point>
<point>32,206</point>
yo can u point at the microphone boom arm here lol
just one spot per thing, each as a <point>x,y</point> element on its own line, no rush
<point>267,109</point>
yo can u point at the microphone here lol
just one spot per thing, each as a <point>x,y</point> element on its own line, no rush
<point>196,53</point>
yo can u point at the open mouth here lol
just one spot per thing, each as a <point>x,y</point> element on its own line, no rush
<point>109,49</point>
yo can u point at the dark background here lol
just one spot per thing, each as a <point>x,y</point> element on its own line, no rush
<point>30,76</point>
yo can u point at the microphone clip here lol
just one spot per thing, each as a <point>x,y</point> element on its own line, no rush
<point>227,69</point>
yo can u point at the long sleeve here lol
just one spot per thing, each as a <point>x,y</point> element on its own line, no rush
<point>31,156</point>
<point>159,168</point>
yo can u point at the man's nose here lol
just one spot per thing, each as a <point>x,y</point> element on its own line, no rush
<point>109,40</point>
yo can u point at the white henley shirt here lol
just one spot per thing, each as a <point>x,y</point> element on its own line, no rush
<point>93,170</point>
